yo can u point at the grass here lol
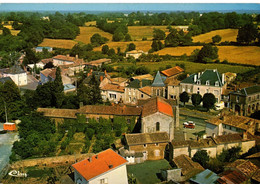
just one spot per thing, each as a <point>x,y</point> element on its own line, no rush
<point>190,67</point>
<point>59,43</point>
<point>234,54</point>
<point>226,35</point>
<point>147,172</point>
<point>87,32</point>
<point>138,32</point>
<point>37,172</point>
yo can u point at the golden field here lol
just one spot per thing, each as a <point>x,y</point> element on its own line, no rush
<point>13,32</point>
<point>92,23</point>
<point>234,54</point>
<point>140,45</point>
<point>87,32</point>
<point>138,32</point>
<point>226,35</point>
<point>59,43</point>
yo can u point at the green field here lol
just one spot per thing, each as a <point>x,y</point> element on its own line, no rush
<point>147,172</point>
<point>190,67</point>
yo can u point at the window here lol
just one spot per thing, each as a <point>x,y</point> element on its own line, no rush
<point>129,99</point>
<point>198,82</point>
<point>216,83</point>
<point>157,126</point>
<point>156,144</point>
<point>207,90</point>
<point>145,145</point>
<point>237,98</point>
<point>142,95</point>
<point>112,96</point>
<point>249,98</point>
<point>103,181</point>
<point>158,92</point>
<point>87,119</point>
<point>207,82</point>
<point>188,90</point>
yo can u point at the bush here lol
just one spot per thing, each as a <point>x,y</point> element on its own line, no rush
<point>225,61</point>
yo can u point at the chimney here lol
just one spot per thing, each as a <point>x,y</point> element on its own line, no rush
<point>96,156</point>
<point>223,78</point>
<point>244,135</point>
<point>195,78</point>
<point>198,75</point>
<point>101,78</point>
<point>141,83</point>
<point>77,57</point>
<point>110,166</point>
<point>105,73</point>
<point>188,75</point>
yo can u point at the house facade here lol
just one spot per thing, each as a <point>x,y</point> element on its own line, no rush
<point>150,145</point>
<point>209,81</point>
<point>18,75</point>
<point>113,93</point>
<point>66,60</point>
<point>245,101</point>
<point>135,53</point>
<point>102,168</point>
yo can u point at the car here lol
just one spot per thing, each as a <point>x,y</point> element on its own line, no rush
<point>190,125</point>
<point>191,122</point>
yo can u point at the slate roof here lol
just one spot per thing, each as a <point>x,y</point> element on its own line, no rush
<point>5,79</point>
<point>147,138</point>
<point>241,122</point>
<point>158,81</point>
<point>172,71</point>
<point>156,104</point>
<point>100,163</point>
<point>205,177</point>
<point>187,165</point>
<point>210,75</point>
<point>110,110</point>
<point>248,91</point>
<point>201,143</point>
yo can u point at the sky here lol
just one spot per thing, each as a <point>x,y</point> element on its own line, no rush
<point>127,6</point>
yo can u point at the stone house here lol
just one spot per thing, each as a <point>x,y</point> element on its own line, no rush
<point>172,83</point>
<point>113,93</point>
<point>245,101</point>
<point>209,81</point>
<point>151,145</point>
<point>104,167</point>
<point>66,60</point>
<point>229,124</point>
<point>135,53</point>
<point>213,145</point>
<point>16,73</point>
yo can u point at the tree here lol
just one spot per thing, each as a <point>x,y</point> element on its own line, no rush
<point>6,31</point>
<point>196,99</point>
<point>30,57</point>
<point>229,155</point>
<point>216,39</point>
<point>98,40</point>
<point>131,46</point>
<point>49,65</point>
<point>201,157</point>
<point>118,36</point>
<point>207,51</point>
<point>128,38</point>
<point>105,49</point>
<point>184,97</point>
<point>158,34</point>
<point>59,88</point>
<point>247,33</point>
<point>111,52</point>
<point>208,100</point>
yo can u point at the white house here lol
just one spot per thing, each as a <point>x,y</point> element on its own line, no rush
<point>102,168</point>
<point>17,74</point>
<point>135,53</point>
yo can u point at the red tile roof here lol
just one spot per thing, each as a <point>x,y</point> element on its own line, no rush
<point>172,71</point>
<point>102,162</point>
<point>147,138</point>
<point>231,177</point>
<point>113,87</point>
<point>68,58</point>
<point>156,104</point>
<point>58,113</point>
<point>147,90</point>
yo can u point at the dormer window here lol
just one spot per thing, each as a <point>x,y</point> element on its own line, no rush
<point>198,82</point>
<point>216,83</point>
<point>207,82</point>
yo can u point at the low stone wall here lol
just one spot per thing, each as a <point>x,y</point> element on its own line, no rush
<point>51,161</point>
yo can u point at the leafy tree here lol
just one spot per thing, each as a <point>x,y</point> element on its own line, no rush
<point>194,30</point>
<point>158,34</point>
<point>229,155</point>
<point>207,51</point>
<point>105,49</point>
<point>247,34</point>
<point>184,97</point>
<point>49,65</point>
<point>30,57</point>
<point>131,46</point>
<point>118,36</point>
<point>201,157</point>
<point>6,31</point>
<point>208,100</point>
<point>196,99</point>
<point>142,70</point>
<point>128,38</point>
<point>43,96</point>
<point>111,52</point>
<point>98,40</point>
<point>216,39</point>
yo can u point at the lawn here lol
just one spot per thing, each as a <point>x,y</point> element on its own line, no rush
<point>234,54</point>
<point>226,35</point>
<point>147,172</point>
<point>190,67</point>
<point>138,32</point>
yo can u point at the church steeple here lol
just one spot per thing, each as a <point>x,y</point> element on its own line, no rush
<point>158,81</point>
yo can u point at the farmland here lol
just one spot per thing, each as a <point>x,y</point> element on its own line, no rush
<point>13,32</point>
<point>234,54</point>
<point>138,32</point>
<point>226,35</point>
<point>190,67</point>
<point>59,43</point>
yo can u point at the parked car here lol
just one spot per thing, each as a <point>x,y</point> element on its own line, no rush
<point>189,125</point>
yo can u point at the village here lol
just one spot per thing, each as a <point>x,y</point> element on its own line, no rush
<point>97,121</point>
